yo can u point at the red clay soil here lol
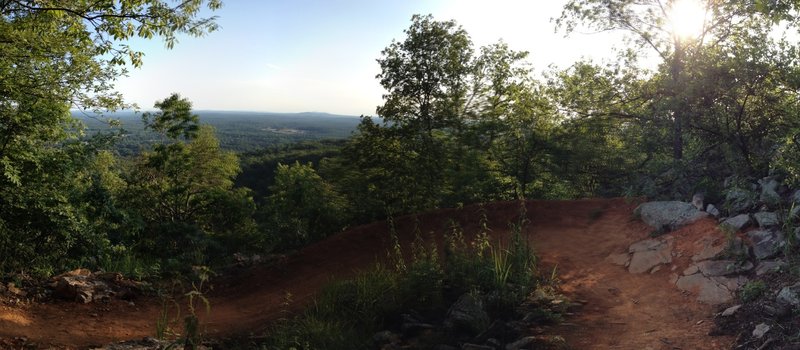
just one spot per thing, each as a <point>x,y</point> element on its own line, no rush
<point>621,311</point>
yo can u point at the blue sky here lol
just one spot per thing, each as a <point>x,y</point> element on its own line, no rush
<point>319,55</point>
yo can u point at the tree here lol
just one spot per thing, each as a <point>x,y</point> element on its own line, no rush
<point>302,207</point>
<point>57,55</point>
<point>650,26</point>
<point>179,189</point>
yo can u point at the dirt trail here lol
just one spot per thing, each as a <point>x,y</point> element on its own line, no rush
<point>622,310</point>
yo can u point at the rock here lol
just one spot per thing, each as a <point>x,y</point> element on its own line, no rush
<point>723,267</point>
<point>766,244</point>
<point>766,219</point>
<point>769,191</point>
<point>736,223</point>
<point>739,200</point>
<point>760,330</point>
<point>468,346</point>
<point>731,310</point>
<point>621,259</point>
<point>691,270</point>
<point>697,201</point>
<point>794,213</point>
<point>708,290</point>
<point>467,314</point>
<point>445,347</point>
<point>145,344</point>
<point>796,197</point>
<point>648,254</point>
<point>768,266</point>
<point>656,269</point>
<point>668,215</point>
<point>789,295</point>
<point>709,251</point>
<point>713,211</point>
<point>521,343</point>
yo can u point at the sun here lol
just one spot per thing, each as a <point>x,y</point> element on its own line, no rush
<point>687,18</point>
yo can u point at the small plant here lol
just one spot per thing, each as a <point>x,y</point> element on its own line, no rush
<point>752,290</point>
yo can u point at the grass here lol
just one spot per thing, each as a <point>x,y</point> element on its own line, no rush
<point>347,313</point>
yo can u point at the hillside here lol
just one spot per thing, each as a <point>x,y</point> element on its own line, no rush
<point>619,309</point>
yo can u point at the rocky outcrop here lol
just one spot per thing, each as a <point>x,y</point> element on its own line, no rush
<point>649,253</point>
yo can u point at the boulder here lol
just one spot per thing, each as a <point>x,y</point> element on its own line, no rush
<point>710,250</point>
<point>467,314</point>
<point>766,244</point>
<point>736,223</point>
<point>668,215</point>
<point>766,219</point>
<point>739,200</point>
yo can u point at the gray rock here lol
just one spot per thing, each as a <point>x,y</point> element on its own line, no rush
<point>731,310</point>
<point>708,290</point>
<point>710,250</point>
<point>794,213</point>
<point>760,330</point>
<point>467,314</point>
<point>739,200</point>
<point>769,266</point>
<point>691,270</point>
<point>668,215</point>
<point>723,267</point>
<point>621,259</point>
<point>769,191</point>
<point>766,244</point>
<point>796,197</point>
<point>713,211</point>
<point>521,343</point>
<point>649,253</point>
<point>735,223</point>
<point>697,201</point>
<point>789,295</point>
<point>766,219</point>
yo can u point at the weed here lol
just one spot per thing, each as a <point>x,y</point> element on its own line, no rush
<point>752,290</point>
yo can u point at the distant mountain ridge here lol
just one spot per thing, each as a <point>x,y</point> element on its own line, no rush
<point>240,131</point>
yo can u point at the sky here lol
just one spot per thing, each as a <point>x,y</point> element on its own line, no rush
<point>320,55</point>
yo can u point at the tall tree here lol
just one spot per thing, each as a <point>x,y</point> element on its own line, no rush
<point>54,56</point>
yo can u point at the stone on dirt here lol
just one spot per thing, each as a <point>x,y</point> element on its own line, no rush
<point>790,295</point>
<point>710,250</point>
<point>769,266</point>
<point>766,219</point>
<point>760,330</point>
<point>731,310</point>
<point>697,201</point>
<point>736,223</point>
<point>723,267</point>
<point>766,244</point>
<point>713,211</point>
<point>648,254</point>
<point>621,259</point>
<point>668,214</point>
<point>709,290</point>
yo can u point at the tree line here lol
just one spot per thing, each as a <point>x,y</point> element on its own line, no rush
<point>459,124</point>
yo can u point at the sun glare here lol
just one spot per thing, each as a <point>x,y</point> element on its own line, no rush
<point>687,18</point>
